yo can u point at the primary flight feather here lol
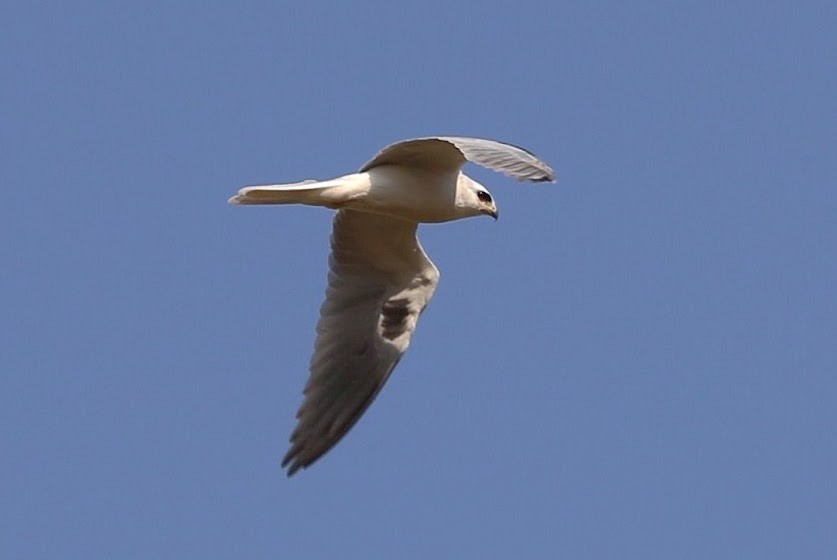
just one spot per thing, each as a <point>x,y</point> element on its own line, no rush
<point>380,279</point>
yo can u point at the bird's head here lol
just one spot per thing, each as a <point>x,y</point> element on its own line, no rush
<point>472,199</point>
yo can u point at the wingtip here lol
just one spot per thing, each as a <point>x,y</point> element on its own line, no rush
<point>291,462</point>
<point>549,176</point>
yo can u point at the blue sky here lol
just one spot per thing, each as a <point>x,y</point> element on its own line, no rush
<point>635,362</point>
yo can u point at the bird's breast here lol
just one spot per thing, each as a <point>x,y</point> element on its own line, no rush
<point>416,195</point>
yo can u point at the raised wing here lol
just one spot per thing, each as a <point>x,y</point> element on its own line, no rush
<point>380,280</point>
<point>449,153</point>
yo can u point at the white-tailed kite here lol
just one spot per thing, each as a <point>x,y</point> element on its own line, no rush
<point>380,278</point>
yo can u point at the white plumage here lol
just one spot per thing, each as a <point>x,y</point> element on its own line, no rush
<point>380,279</point>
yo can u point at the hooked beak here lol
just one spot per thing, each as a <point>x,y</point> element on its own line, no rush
<point>493,212</point>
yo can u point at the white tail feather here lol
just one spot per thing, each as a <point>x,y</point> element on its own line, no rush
<point>289,193</point>
<point>333,193</point>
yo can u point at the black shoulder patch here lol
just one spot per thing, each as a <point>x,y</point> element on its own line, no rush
<point>394,315</point>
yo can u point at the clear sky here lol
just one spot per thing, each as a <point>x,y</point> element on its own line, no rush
<point>639,361</point>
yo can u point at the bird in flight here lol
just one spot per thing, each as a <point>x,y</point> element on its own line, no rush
<point>380,279</point>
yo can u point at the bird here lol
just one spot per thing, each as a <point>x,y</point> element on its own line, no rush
<point>380,279</point>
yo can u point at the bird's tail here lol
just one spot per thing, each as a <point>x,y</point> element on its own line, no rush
<point>317,193</point>
<point>288,193</point>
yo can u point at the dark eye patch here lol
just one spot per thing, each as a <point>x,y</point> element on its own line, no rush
<point>484,196</point>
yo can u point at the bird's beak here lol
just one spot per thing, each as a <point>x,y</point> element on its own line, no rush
<point>493,212</point>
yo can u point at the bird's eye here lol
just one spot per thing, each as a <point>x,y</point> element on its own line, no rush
<point>484,196</point>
